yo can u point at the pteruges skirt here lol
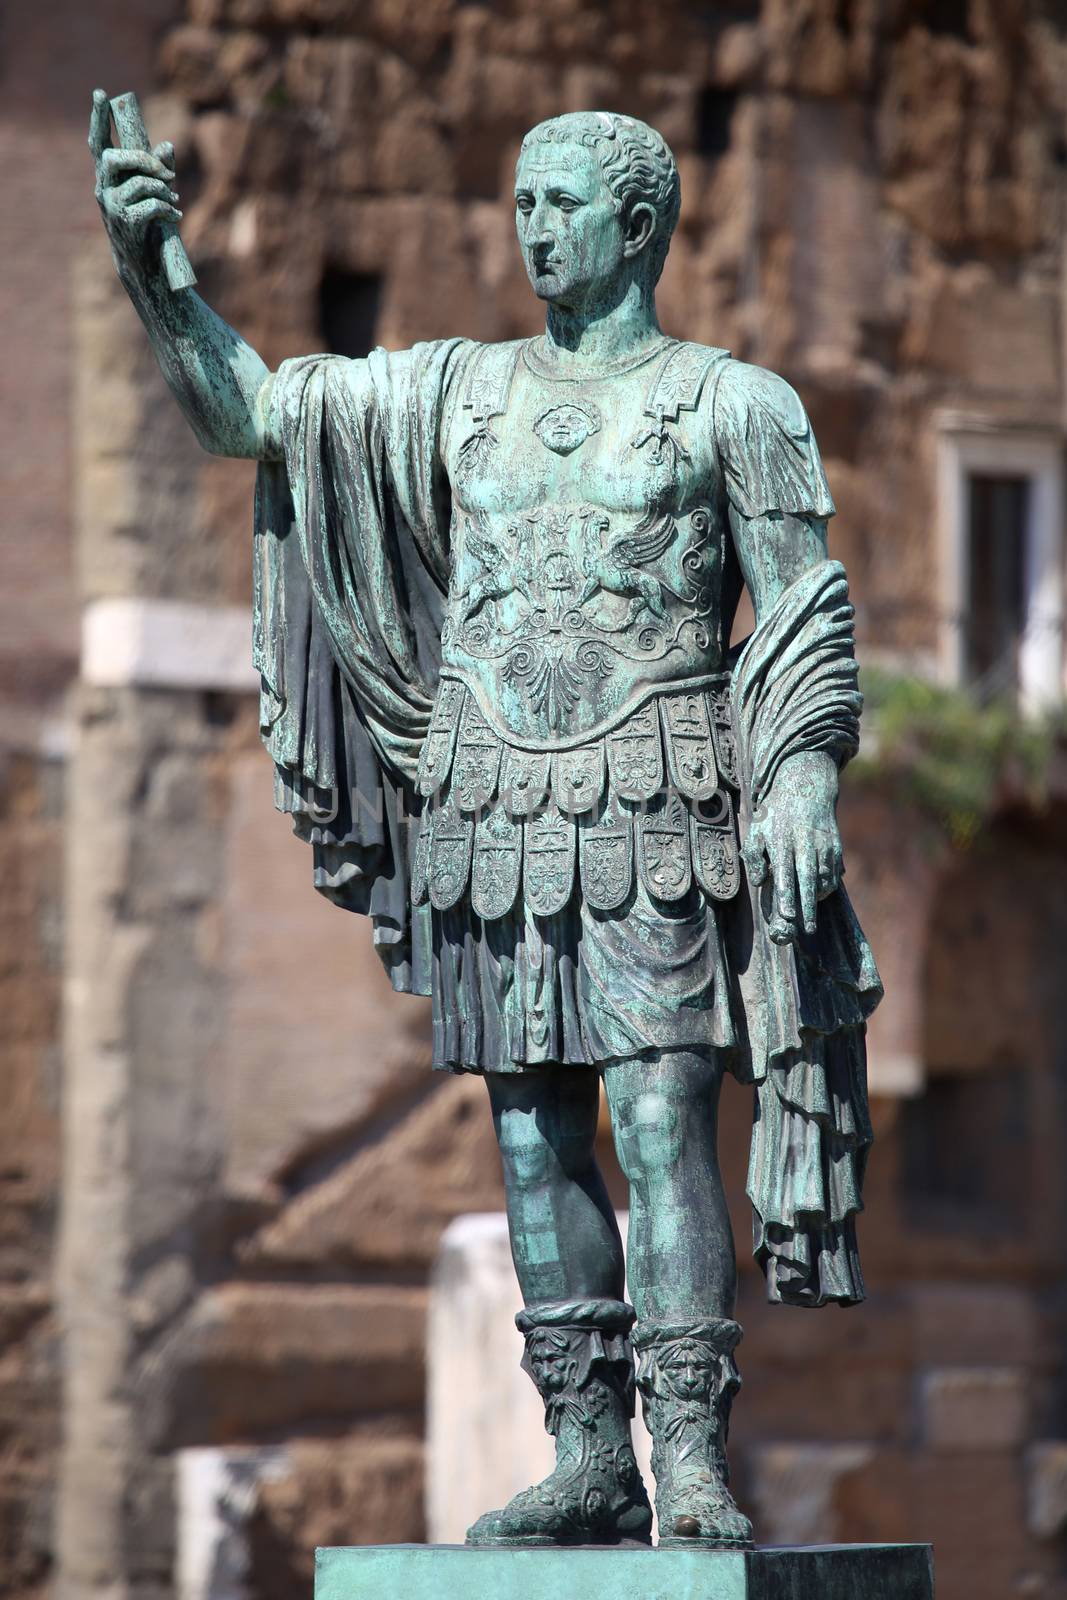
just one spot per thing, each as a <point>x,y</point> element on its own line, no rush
<point>578,899</point>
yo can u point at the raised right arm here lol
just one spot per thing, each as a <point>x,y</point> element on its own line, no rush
<point>216,377</point>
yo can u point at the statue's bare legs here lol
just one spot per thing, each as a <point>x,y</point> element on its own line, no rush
<point>568,1256</point>
<point>682,1275</point>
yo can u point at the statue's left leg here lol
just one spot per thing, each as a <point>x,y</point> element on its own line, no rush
<point>682,1276</point>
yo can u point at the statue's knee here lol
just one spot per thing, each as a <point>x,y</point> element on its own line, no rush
<point>649,1136</point>
<point>535,1147</point>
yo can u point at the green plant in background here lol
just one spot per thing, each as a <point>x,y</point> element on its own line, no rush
<point>953,756</point>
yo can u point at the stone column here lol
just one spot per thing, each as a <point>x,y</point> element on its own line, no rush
<point>143,1123</point>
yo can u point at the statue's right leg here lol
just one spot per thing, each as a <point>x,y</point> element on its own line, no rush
<point>568,1256</point>
<point>564,1237</point>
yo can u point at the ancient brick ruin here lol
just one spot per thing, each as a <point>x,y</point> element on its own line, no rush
<point>873,204</point>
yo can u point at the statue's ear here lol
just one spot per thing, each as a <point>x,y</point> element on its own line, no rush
<point>640,226</point>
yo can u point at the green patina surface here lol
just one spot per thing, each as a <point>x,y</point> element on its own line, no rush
<point>831,1572</point>
<point>494,594</point>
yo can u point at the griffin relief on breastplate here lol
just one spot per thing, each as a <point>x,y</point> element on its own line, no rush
<point>558,597</point>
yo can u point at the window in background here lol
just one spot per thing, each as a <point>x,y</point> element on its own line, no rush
<point>714,120</point>
<point>349,303</point>
<point>967,1152</point>
<point>1000,597</point>
<point>995,617</point>
<point>949,17</point>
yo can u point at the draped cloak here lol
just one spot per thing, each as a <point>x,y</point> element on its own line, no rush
<point>351,572</point>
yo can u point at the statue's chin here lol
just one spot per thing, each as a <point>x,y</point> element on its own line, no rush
<point>546,286</point>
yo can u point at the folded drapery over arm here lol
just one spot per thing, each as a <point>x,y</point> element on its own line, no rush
<point>351,561</point>
<point>796,684</point>
<point>806,1003</point>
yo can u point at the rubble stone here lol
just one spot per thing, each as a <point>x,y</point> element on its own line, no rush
<point>974,1408</point>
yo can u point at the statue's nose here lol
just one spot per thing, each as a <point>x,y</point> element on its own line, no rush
<point>539,234</point>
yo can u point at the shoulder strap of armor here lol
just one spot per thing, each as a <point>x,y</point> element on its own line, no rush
<point>489,378</point>
<point>680,380</point>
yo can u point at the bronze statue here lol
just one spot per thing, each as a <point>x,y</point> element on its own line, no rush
<point>494,591</point>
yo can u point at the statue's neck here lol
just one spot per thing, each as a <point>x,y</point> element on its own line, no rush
<point>595,336</point>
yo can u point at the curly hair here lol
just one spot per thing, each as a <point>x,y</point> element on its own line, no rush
<point>636,161</point>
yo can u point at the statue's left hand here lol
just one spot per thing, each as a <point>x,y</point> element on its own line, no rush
<point>793,844</point>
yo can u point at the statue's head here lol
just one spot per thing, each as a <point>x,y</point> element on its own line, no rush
<point>596,198</point>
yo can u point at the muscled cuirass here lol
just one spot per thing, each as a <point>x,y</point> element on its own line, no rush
<point>587,540</point>
<point>583,644</point>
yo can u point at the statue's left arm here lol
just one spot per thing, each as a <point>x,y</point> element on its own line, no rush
<point>778,506</point>
<point>806,973</point>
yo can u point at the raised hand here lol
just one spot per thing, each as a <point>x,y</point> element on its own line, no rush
<point>794,844</point>
<point>133,189</point>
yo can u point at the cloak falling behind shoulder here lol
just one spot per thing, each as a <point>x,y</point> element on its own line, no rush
<point>350,578</point>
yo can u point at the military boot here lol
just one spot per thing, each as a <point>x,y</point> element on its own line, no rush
<point>578,1354</point>
<point>688,1379</point>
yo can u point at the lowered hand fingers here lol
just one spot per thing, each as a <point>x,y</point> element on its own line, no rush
<point>783,927</point>
<point>828,858</point>
<point>754,854</point>
<point>807,884</point>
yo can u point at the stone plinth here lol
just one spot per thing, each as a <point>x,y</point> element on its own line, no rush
<point>451,1572</point>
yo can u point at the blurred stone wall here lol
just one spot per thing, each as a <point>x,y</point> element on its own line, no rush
<point>46,213</point>
<point>256,1164</point>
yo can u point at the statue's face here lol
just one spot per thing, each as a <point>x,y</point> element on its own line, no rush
<point>570,232</point>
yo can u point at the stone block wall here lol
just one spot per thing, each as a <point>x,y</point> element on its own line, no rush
<point>46,214</point>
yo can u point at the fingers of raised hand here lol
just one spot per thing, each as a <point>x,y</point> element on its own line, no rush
<point>99,125</point>
<point>140,187</point>
<point>115,166</point>
<point>134,189</point>
<point>146,211</point>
